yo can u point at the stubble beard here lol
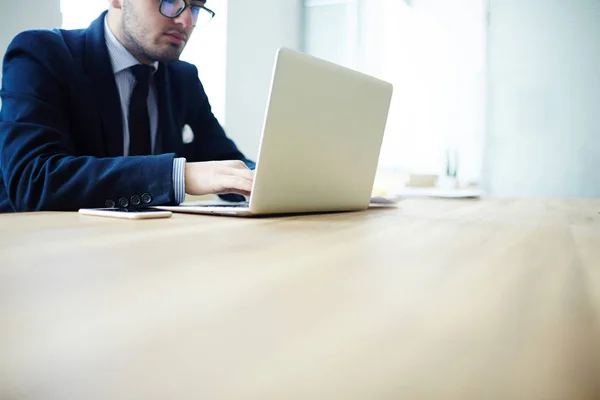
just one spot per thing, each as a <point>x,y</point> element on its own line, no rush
<point>134,33</point>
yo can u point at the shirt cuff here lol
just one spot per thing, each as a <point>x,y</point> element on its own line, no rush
<point>179,179</point>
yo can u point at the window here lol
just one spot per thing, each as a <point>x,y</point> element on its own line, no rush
<point>434,54</point>
<point>206,48</point>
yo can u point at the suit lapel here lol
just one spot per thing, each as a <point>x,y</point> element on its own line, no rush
<point>99,68</point>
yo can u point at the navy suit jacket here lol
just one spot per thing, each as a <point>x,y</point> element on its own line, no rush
<point>61,134</point>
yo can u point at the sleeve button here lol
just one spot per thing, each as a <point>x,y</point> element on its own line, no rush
<point>146,198</point>
<point>135,200</point>
<point>123,202</point>
<point>109,204</point>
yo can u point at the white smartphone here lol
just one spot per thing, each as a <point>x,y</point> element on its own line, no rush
<point>144,213</point>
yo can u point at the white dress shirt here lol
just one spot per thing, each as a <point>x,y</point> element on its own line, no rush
<point>122,60</point>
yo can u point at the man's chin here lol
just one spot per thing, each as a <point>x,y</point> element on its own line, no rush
<point>169,55</point>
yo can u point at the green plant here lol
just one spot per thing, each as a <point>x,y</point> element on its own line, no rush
<point>451,163</point>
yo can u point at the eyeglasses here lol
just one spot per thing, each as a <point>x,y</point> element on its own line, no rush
<point>173,8</point>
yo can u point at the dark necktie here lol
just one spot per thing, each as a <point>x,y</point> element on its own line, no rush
<point>139,120</point>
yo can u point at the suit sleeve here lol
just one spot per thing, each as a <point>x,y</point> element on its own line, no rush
<point>213,143</point>
<point>38,160</point>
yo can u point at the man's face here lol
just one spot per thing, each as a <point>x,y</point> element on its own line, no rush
<point>149,35</point>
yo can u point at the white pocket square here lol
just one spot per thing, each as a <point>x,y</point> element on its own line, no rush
<point>187,134</point>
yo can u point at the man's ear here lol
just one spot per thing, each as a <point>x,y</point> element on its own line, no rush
<point>115,3</point>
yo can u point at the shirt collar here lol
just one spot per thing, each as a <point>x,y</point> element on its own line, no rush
<point>120,57</point>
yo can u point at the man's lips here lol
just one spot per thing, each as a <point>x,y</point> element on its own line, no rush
<point>177,36</point>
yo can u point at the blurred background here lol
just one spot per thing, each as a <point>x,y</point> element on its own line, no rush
<point>507,91</point>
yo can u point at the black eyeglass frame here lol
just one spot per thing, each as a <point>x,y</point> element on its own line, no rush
<point>187,4</point>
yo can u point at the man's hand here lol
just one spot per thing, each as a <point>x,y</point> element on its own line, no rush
<point>218,177</point>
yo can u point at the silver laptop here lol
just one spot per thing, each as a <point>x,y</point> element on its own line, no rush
<point>320,143</point>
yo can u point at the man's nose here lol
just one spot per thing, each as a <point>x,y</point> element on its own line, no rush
<point>185,19</point>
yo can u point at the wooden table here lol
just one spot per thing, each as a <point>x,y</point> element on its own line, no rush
<point>489,299</point>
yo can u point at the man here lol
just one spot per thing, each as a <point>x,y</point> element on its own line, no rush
<point>94,117</point>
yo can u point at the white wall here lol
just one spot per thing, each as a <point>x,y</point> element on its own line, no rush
<point>544,98</point>
<point>255,29</point>
<point>17,16</point>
